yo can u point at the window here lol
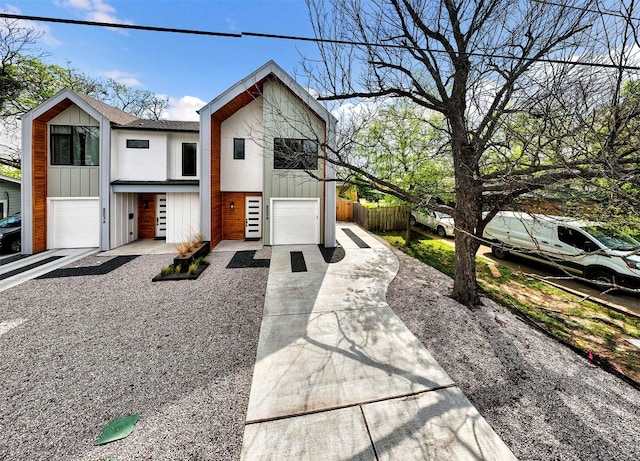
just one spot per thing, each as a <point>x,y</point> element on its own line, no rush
<point>189,159</point>
<point>572,237</point>
<point>75,145</point>
<point>295,154</point>
<point>238,149</point>
<point>137,143</point>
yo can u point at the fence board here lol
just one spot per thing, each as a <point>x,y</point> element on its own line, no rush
<point>379,219</point>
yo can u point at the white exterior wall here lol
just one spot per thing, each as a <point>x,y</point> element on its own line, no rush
<point>175,154</point>
<point>243,175</point>
<point>123,229</point>
<point>183,216</point>
<point>139,164</point>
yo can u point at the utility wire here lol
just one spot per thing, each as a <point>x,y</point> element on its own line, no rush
<point>297,38</point>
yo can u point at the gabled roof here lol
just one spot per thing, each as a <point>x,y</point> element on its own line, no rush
<point>161,125</point>
<point>9,179</point>
<point>113,114</point>
<point>252,83</point>
<point>93,107</point>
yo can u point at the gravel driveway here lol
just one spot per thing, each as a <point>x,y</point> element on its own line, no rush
<point>545,401</point>
<point>181,354</point>
<point>96,348</point>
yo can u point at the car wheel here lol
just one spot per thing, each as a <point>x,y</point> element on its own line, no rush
<point>499,252</point>
<point>441,232</point>
<point>412,221</point>
<point>15,246</point>
<point>602,277</point>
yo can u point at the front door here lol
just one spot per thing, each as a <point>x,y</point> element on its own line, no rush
<point>161,215</point>
<point>253,218</point>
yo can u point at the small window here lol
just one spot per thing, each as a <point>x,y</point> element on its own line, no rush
<point>137,143</point>
<point>238,148</point>
<point>295,154</point>
<point>189,150</point>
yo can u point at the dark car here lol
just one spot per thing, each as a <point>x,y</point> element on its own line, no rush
<point>10,241</point>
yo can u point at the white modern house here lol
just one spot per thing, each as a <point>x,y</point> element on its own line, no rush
<point>262,149</point>
<point>95,176</point>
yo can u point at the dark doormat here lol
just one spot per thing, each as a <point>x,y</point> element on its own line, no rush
<point>102,269</point>
<point>10,259</point>
<point>297,262</point>
<point>243,259</point>
<point>28,267</point>
<point>358,241</point>
<point>332,255</point>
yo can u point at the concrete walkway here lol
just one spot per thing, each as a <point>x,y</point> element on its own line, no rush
<point>338,376</point>
<point>31,267</point>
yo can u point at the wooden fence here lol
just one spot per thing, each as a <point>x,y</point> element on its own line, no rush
<point>344,209</point>
<point>383,218</point>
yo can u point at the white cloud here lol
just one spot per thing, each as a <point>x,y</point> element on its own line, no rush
<point>184,109</point>
<point>123,77</point>
<point>42,29</point>
<point>93,10</point>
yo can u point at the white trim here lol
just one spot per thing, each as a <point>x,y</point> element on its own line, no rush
<point>9,179</point>
<point>5,208</point>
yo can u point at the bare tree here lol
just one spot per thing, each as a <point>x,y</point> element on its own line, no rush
<point>487,67</point>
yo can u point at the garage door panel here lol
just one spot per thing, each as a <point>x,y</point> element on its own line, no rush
<point>295,222</point>
<point>73,223</point>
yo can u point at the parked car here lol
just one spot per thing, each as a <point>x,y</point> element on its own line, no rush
<point>588,249</point>
<point>10,240</point>
<point>441,223</point>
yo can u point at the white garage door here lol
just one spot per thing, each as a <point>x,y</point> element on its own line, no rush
<point>73,223</point>
<point>295,221</point>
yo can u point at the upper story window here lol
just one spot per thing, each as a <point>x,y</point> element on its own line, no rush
<point>189,162</point>
<point>75,145</point>
<point>295,154</point>
<point>137,143</point>
<point>238,148</point>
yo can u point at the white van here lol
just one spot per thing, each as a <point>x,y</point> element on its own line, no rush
<point>587,249</point>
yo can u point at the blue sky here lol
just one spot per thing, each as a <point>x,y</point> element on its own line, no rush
<point>190,70</point>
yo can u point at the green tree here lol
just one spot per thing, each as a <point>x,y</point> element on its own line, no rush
<point>481,65</point>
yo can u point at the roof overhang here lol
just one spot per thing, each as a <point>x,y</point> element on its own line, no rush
<point>169,186</point>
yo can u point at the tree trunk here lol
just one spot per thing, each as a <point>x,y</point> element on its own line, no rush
<point>467,213</point>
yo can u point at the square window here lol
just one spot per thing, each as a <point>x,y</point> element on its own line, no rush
<point>295,154</point>
<point>238,148</point>
<point>189,162</point>
<point>75,145</point>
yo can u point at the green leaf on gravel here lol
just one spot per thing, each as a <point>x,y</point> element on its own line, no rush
<point>117,429</point>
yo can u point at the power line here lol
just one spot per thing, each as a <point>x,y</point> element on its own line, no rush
<point>584,9</point>
<point>296,38</point>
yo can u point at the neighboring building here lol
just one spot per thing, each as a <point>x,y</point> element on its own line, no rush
<point>95,176</point>
<point>251,187</point>
<point>9,196</point>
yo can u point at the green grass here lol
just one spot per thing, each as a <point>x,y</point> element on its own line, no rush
<point>582,323</point>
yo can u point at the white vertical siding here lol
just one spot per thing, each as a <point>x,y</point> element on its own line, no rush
<point>74,116</point>
<point>123,229</point>
<point>183,216</point>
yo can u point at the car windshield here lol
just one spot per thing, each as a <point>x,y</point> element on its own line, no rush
<point>613,239</point>
<point>12,221</point>
<point>441,215</point>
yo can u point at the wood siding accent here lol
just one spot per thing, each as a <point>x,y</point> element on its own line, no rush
<point>39,185</point>
<point>147,216</point>
<point>216,195</point>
